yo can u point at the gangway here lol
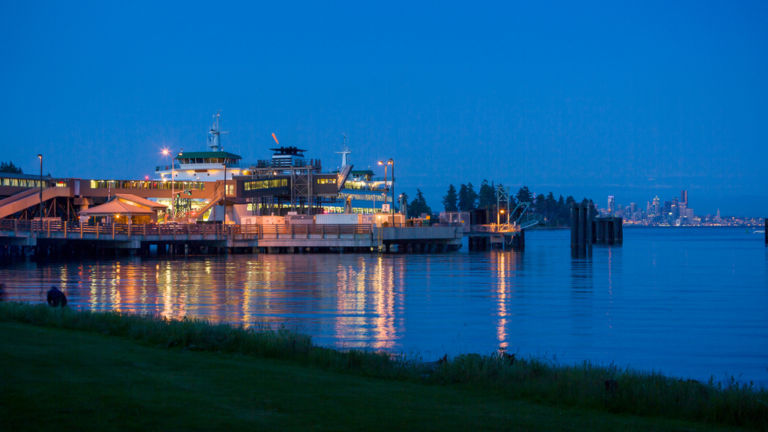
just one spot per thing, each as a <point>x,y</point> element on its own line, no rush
<point>30,198</point>
<point>218,196</point>
<point>518,222</point>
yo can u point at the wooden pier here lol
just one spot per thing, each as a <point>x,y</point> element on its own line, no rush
<point>55,238</point>
<point>496,236</point>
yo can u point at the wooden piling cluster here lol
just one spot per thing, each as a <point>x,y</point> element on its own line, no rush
<point>582,216</point>
<point>587,229</point>
<point>608,230</point>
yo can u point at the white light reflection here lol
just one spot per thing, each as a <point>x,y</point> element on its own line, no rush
<point>501,291</point>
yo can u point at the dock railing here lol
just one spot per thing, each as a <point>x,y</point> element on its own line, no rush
<point>48,228</point>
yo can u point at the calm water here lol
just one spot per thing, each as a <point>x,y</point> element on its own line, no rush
<point>687,302</point>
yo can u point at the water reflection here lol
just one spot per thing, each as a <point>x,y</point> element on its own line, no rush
<point>660,302</point>
<point>504,265</point>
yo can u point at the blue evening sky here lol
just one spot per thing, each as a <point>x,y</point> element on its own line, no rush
<point>580,98</point>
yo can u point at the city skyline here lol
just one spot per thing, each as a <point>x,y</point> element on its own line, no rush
<point>672,212</point>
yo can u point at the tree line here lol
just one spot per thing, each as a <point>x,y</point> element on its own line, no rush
<point>549,210</point>
<point>9,167</point>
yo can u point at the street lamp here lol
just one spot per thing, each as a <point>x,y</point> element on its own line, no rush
<point>385,180</point>
<point>167,152</point>
<point>40,156</point>
<point>391,162</point>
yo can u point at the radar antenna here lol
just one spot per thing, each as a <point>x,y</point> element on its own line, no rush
<point>344,153</point>
<point>214,134</point>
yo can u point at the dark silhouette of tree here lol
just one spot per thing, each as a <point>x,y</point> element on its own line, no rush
<point>418,206</point>
<point>467,197</point>
<point>524,195</point>
<point>404,201</point>
<point>450,199</point>
<point>486,196</point>
<point>540,204</point>
<point>548,210</point>
<point>9,167</point>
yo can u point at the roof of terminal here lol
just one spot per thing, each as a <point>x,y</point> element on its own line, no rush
<point>207,155</point>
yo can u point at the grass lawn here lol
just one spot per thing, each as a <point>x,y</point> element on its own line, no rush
<point>61,379</point>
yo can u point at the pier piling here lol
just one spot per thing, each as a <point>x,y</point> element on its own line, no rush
<point>582,216</point>
<point>587,229</point>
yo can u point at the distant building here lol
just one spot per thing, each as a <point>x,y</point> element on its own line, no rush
<point>611,203</point>
<point>684,197</point>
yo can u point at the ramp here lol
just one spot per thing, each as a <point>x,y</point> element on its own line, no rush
<point>218,196</point>
<point>30,198</point>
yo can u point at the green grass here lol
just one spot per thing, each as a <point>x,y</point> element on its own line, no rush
<point>190,375</point>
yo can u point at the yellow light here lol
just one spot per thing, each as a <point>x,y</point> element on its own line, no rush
<point>381,163</point>
<point>190,172</point>
<point>166,152</point>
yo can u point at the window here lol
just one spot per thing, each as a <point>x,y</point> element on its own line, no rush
<point>265,184</point>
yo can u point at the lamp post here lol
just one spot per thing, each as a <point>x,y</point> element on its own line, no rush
<point>392,162</point>
<point>167,152</point>
<point>385,179</point>
<point>225,190</point>
<point>40,156</point>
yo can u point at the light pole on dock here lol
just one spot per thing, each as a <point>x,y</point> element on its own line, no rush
<point>385,180</point>
<point>40,156</point>
<point>167,152</point>
<point>390,161</point>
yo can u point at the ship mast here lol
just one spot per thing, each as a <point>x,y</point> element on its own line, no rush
<point>344,153</point>
<point>214,134</point>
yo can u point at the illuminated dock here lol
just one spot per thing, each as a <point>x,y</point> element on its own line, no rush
<point>53,238</point>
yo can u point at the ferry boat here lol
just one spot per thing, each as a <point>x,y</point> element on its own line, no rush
<point>362,192</point>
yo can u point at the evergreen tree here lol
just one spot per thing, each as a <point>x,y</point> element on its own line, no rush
<point>487,195</point>
<point>9,167</point>
<point>467,197</point>
<point>418,206</point>
<point>450,199</point>
<point>524,195</point>
<point>539,205</point>
<point>551,212</point>
<point>563,212</point>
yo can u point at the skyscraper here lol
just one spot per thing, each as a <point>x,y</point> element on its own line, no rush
<point>611,203</point>
<point>684,197</point>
